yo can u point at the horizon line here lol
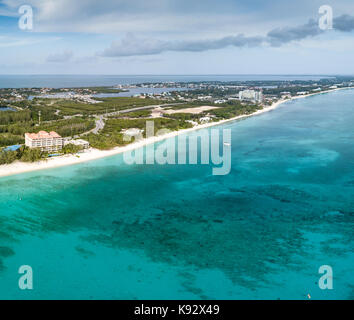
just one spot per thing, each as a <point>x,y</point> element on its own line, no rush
<point>185,75</point>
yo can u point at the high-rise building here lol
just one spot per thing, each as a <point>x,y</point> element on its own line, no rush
<point>251,95</point>
<point>45,141</point>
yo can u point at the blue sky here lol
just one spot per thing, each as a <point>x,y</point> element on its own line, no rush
<point>176,37</point>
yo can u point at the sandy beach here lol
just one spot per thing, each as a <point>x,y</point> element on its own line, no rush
<point>94,154</point>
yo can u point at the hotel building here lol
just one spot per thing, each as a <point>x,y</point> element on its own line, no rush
<point>49,142</point>
<point>251,95</point>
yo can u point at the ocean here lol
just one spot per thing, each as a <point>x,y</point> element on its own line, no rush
<point>70,81</point>
<point>108,230</point>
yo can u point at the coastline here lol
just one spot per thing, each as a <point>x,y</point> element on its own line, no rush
<point>95,154</point>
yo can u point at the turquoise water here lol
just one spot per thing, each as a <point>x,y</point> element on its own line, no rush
<point>106,230</point>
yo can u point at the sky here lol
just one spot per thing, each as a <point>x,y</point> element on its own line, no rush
<point>162,37</point>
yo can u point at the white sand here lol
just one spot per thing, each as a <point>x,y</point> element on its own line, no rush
<point>93,154</point>
<point>195,110</point>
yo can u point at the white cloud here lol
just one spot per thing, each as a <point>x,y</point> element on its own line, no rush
<point>164,27</point>
<point>132,46</point>
<point>177,16</point>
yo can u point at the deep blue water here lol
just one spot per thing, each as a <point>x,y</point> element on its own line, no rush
<point>104,229</point>
<point>67,81</point>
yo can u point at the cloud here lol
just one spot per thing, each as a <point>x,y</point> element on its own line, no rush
<point>133,46</point>
<point>227,23</point>
<point>113,16</point>
<point>166,17</point>
<point>60,57</point>
<point>280,36</point>
<point>344,23</point>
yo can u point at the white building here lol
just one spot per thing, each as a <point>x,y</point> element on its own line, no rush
<point>132,132</point>
<point>79,142</point>
<point>205,119</point>
<point>45,141</point>
<point>205,98</point>
<point>220,101</point>
<point>193,123</point>
<point>251,95</point>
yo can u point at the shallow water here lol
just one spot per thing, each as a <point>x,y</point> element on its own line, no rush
<point>106,230</point>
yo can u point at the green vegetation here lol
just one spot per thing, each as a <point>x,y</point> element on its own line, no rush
<point>111,136</point>
<point>23,154</point>
<point>14,124</point>
<point>106,141</point>
<point>9,139</point>
<point>226,110</point>
<point>7,157</point>
<point>134,114</point>
<point>69,128</point>
<point>196,104</point>
<point>26,154</point>
<point>71,107</point>
<point>183,116</point>
<point>7,117</point>
<point>71,149</point>
<point>234,109</point>
<point>73,117</point>
<point>14,133</point>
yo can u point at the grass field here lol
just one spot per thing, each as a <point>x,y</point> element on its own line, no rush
<point>71,107</point>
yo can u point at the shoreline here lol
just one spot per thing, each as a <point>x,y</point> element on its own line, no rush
<point>95,154</point>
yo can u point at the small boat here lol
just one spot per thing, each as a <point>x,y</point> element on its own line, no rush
<point>227,144</point>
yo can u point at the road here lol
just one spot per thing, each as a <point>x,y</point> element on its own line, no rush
<point>99,126</point>
<point>100,122</point>
<point>141,108</point>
